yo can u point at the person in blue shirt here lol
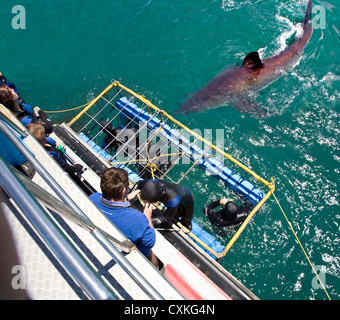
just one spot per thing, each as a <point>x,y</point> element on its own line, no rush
<point>114,202</point>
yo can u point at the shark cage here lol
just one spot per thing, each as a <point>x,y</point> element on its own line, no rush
<point>126,130</point>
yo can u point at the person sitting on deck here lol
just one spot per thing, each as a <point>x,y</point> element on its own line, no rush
<point>114,202</point>
<point>24,112</point>
<point>178,199</point>
<point>9,84</point>
<point>231,214</point>
<point>56,152</point>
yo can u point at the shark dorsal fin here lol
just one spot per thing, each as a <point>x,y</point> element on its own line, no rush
<point>252,60</point>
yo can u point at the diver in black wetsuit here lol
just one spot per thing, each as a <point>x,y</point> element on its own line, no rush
<point>230,214</point>
<point>178,199</point>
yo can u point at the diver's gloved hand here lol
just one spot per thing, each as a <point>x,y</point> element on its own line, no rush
<point>186,223</point>
<point>161,222</point>
<point>139,185</point>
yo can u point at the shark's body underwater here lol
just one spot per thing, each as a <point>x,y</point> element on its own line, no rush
<point>234,84</point>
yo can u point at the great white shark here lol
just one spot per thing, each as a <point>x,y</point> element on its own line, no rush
<point>235,84</point>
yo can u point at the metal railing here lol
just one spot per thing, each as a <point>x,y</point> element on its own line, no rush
<point>79,269</point>
<point>32,205</point>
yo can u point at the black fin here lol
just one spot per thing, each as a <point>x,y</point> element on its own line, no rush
<point>252,60</point>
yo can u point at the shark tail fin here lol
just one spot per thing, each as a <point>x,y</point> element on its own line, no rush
<point>308,13</point>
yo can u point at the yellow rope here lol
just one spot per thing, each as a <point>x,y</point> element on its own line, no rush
<point>140,160</point>
<point>297,239</point>
<point>60,111</point>
<point>149,164</point>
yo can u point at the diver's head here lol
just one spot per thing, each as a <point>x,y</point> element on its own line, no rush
<point>107,127</point>
<point>152,191</point>
<point>230,208</point>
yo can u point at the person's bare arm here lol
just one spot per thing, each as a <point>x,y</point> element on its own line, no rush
<point>132,194</point>
<point>148,213</point>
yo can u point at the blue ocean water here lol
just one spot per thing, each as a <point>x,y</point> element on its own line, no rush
<point>70,51</point>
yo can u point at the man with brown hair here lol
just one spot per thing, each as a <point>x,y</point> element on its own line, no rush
<point>114,202</point>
